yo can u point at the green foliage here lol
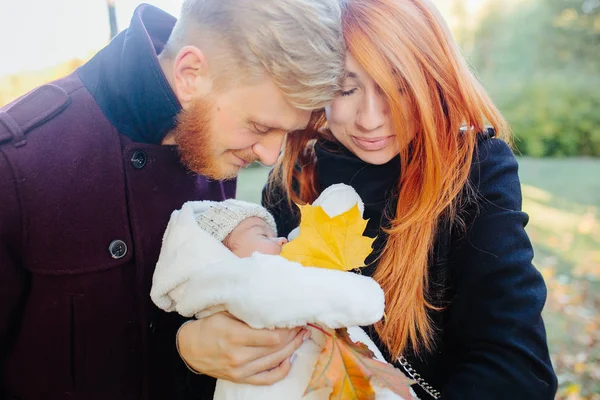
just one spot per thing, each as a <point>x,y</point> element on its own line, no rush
<point>540,62</point>
<point>553,114</point>
<point>572,34</point>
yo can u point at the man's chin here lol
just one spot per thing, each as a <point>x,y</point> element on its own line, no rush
<point>224,173</point>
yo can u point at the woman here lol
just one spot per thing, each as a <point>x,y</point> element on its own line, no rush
<point>463,301</point>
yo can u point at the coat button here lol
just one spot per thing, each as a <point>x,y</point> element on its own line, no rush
<point>139,159</point>
<point>117,249</point>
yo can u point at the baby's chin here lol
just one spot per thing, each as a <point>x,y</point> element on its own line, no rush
<point>270,252</point>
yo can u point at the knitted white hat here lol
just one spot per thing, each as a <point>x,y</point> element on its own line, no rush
<point>220,218</point>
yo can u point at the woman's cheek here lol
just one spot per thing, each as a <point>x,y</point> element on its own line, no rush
<point>339,113</point>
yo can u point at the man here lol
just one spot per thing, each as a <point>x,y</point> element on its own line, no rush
<point>92,165</point>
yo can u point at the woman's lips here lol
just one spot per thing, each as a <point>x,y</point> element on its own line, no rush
<point>373,144</point>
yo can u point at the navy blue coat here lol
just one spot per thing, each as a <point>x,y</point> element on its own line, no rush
<point>491,341</point>
<point>86,191</point>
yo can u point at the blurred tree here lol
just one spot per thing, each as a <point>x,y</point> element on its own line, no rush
<point>538,36</point>
<point>507,41</point>
<point>573,34</point>
<point>540,60</point>
<point>457,16</point>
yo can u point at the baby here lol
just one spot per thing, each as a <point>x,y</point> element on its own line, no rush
<point>241,272</point>
<point>244,228</point>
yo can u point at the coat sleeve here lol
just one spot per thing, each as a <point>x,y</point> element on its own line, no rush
<point>13,279</point>
<point>495,322</point>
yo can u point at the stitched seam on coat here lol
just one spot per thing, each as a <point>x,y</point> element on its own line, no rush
<point>17,185</point>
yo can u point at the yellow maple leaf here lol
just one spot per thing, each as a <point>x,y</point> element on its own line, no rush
<point>333,243</point>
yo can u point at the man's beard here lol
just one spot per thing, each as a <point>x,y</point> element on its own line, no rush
<point>194,139</point>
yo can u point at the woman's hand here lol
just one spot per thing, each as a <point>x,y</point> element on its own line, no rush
<point>223,347</point>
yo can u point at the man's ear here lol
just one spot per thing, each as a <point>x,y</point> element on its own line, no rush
<point>191,75</point>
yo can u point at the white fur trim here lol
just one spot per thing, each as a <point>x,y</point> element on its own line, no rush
<point>292,387</point>
<point>338,199</point>
<point>179,257</point>
<point>269,291</point>
<point>197,275</point>
<point>196,272</point>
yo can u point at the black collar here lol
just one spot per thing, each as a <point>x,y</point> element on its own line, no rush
<point>127,81</point>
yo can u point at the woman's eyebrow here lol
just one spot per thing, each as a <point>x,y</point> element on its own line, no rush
<point>351,74</point>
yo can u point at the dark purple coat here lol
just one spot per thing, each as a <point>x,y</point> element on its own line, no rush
<point>86,191</point>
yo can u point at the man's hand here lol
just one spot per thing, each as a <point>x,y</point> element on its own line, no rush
<point>223,347</point>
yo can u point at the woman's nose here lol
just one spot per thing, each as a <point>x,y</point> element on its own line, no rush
<point>372,113</point>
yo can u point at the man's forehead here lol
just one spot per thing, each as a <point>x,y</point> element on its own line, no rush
<point>285,123</point>
<point>268,106</point>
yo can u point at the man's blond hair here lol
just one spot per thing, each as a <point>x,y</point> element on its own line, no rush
<point>298,43</point>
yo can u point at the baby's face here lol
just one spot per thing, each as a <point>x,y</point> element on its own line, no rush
<point>254,234</point>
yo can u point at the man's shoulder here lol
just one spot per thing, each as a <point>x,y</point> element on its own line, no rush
<point>41,108</point>
<point>35,108</point>
<point>54,128</point>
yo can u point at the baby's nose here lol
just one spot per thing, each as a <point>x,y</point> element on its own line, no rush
<point>281,241</point>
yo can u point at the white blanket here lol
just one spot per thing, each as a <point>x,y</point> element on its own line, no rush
<point>197,276</point>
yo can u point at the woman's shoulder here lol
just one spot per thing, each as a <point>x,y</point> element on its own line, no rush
<point>494,164</point>
<point>493,188</point>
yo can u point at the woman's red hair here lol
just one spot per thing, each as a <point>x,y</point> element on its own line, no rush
<point>406,47</point>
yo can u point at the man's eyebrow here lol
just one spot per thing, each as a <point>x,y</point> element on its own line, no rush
<point>274,127</point>
<point>351,75</point>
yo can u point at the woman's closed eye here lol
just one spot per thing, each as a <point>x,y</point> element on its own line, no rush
<point>344,93</point>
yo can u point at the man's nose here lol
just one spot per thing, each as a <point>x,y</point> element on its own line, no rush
<point>268,148</point>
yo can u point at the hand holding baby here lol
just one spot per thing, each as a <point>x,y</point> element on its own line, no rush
<point>223,347</point>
